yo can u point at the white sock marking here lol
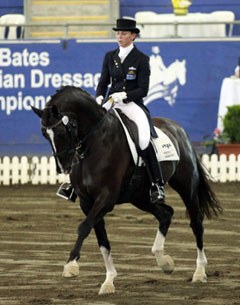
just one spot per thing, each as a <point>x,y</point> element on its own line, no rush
<point>158,244</point>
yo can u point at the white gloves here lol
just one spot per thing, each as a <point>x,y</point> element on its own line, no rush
<point>99,99</point>
<point>115,98</point>
<point>118,97</point>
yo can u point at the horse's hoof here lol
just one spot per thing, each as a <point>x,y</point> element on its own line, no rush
<point>71,269</point>
<point>199,277</point>
<point>106,289</point>
<point>166,263</point>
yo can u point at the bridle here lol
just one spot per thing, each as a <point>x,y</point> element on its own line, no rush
<point>77,146</point>
<point>72,134</point>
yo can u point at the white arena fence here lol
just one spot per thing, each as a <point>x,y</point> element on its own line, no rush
<point>42,170</point>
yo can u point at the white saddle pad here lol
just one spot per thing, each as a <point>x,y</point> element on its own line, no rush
<point>165,149</point>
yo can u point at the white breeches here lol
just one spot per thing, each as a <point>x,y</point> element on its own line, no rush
<point>137,115</point>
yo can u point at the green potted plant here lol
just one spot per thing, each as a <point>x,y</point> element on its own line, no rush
<point>229,139</point>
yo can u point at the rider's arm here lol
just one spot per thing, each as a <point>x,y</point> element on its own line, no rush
<point>104,80</point>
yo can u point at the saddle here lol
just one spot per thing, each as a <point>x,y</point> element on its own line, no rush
<point>165,150</point>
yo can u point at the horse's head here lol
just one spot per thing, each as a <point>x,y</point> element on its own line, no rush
<point>61,131</point>
<point>67,119</point>
<point>180,68</point>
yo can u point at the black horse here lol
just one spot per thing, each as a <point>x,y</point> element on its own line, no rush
<point>89,144</point>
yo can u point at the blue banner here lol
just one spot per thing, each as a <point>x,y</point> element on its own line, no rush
<point>185,84</point>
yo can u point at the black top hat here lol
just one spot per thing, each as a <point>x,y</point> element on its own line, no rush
<point>126,25</point>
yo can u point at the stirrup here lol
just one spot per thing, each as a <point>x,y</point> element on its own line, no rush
<point>157,193</point>
<point>66,191</point>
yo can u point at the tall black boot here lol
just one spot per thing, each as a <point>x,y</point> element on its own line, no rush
<point>67,191</point>
<point>154,172</point>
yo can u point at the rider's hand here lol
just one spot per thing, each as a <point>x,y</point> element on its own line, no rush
<point>99,99</point>
<point>118,97</point>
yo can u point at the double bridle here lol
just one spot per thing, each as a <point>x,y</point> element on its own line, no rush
<point>77,146</point>
<point>75,143</point>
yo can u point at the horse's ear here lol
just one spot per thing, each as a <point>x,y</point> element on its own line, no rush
<point>38,112</point>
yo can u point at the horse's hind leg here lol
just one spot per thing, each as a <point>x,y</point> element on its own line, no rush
<point>107,286</point>
<point>164,215</point>
<point>190,197</point>
<point>196,224</point>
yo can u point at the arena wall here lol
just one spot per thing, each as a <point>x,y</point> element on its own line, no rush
<point>11,7</point>
<point>31,72</point>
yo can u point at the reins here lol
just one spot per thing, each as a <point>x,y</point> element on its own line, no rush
<point>81,149</point>
<point>77,145</point>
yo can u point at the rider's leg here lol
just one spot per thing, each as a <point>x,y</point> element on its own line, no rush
<point>154,172</point>
<point>136,114</point>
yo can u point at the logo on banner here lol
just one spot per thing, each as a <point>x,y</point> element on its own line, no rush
<point>27,76</point>
<point>165,81</point>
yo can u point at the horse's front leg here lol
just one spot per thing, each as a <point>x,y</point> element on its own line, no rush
<point>201,263</point>
<point>164,215</point>
<point>71,268</point>
<point>96,213</point>
<point>107,286</point>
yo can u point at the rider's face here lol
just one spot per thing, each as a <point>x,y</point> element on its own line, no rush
<point>125,38</point>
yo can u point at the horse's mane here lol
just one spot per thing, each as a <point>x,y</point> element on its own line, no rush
<point>74,99</point>
<point>70,94</point>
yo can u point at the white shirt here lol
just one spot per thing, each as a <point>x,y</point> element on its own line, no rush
<point>123,53</point>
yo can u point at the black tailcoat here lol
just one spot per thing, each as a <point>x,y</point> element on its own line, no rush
<point>131,76</point>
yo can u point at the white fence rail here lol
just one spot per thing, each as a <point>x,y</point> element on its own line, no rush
<point>42,170</point>
<point>35,170</point>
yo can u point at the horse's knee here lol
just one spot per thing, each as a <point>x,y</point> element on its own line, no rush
<point>84,228</point>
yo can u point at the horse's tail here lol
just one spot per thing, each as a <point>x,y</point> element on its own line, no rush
<point>208,201</point>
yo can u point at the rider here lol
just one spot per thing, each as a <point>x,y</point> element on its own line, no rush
<point>127,71</point>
